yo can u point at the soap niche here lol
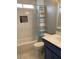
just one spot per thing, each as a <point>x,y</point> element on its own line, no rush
<point>23,19</point>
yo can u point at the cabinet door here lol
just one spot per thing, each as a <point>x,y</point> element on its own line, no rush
<point>54,56</point>
<point>47,53</point>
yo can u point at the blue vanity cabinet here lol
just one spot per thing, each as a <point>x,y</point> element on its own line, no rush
<point>47,53</point>
<point>54,56</point>
<point>51,51</point>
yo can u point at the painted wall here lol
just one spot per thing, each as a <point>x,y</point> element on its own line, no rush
<point>24,30</point>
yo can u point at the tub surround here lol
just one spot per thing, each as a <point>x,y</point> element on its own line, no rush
<point>25,30</point>
<point>54,39</point>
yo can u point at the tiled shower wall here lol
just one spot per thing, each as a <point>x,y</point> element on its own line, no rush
<point>24,30</point>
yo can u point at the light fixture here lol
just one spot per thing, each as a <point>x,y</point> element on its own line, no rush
<point>19,5</point>
<point>28,6</point>
<point>25,6</point>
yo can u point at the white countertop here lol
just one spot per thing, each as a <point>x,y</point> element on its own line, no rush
<point>54,39</point>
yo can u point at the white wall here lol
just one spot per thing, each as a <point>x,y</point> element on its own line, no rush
<point>24,30</point>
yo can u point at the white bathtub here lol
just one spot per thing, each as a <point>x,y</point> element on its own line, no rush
<point>25,46</point>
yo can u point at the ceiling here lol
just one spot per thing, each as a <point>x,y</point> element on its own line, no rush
<point>32,1</point>
<point>26,1</point>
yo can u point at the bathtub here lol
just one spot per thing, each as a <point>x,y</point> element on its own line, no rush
<point>27,50</point>
<point>25,46</point>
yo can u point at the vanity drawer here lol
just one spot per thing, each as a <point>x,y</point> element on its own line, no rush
<point>52,47</point>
